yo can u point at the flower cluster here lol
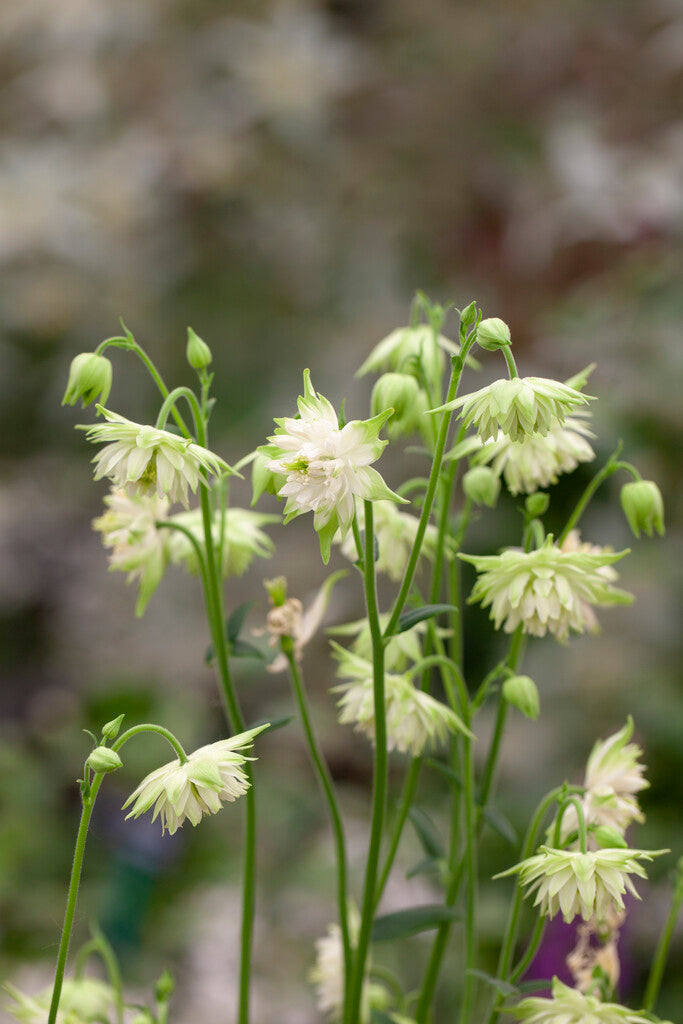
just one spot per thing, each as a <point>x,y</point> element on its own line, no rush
<point>568,1006</point>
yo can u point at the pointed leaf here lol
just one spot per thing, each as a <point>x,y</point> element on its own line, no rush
<point>426,833</point>
<point>415,615</point>
<point>426,866</point>
<point>271,724</point>
<point>243,649</point>
<point>445,770</point>
<point>537,985</point>
<point>233,626</point>
<point>500,824</point>
<point>504,987</point>
<point>404,923</point>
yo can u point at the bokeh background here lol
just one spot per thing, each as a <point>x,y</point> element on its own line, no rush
<point>283,176</point>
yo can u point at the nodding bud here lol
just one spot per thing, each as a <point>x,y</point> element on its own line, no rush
<point>111,730</point>
<point>198,352</point>
<point>537,504</point>
<point>402,393</point>
<point>493,334</point>
<point>522,693</point>
<point>481,485</point>
<point>90,378</point>
<point>643,505</point>
<point>103,760</point>
<point>165,987</point>
<point>277,590</point>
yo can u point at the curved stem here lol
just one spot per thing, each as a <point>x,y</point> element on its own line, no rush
<point>581,817</point>
<point>327,785</point>
<point>511,662</point>
<point>169,404</point>
<point>163,524</point>
<point>135,730</point>
<point>530,952</point>
<point>511,364</point>
<point>72,896</point>
<point>103,947</point>
<point>610,467</point>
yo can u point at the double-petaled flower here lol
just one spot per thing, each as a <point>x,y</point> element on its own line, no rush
<point>82,1001</point>
<point>569,1006</point>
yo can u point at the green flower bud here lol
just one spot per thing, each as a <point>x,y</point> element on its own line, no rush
<point>102,759</point>
<point>521,692</point>
<point>143,1018</point>
<point>111,730</point>
<point>481,485</point>
<point>644,507</point>
<point>198,352</point>
<point>608,838</point>
<point>277,590</point>
<point>90,378</point>
<point>493,334</point>
<point>537,504</point>
<point>377,996</point>
<point>403,394</point>
<point>468,314</point>
<point>165,987</point>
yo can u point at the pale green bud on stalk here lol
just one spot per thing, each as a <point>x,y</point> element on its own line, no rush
<point>402,393</point>
<point>103,760</point>
<point>643,505</point>
<point>493,334</point>
<point>537,504</point>
<point>90,378</point>
<point>197,351</point>
<point>165,987</point>
<point>111,730</point>
<point>522,693</point>
<point>469,314</point>
<point>481,485</point>
<point>277,590</point>
<point>608,837</point>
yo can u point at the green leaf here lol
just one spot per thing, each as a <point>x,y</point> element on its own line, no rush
<point>411,618</point>
<point>426,866</point>
<point>537,985</point>
<point>243,649</point>
<point>504,987</point>
<point>500,824</point>
<point>426,833</point>
<point>272,723</point>
<point>445,770</point>
<point>233,626</point>
<point>403,923</point>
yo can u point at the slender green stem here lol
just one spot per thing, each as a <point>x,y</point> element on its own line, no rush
<point>511,662</point>
<point>659,960</point>
<point>511,364</point>
<point>162,524</point>
<point>325,780</point>
<point>352,1010</point>
<point>530,951</point>
<point>581,818</point>
<point>409,787</point>
<point>74,881</point>
<point>113,972</point>
<point>611,466</point>
<point>135,730</point>
<point>170,403</point>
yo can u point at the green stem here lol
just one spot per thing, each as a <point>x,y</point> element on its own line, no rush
<point>511,662</point>
<point>530,952</point>
<point>659,960</point>
<point>105,950</point>
<point>409,787</point>
<point>352,1009</point>
<point>511,364</point>
<point>135,730</point>
<point>88,804</point>
<point>169,404</point>
<point>327,785</point>
<point>583,833</point>
<point>611,466</point>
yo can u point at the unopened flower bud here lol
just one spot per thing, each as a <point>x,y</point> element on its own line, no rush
<point>165,987</point>
<point>90,378</point>
<point>608,838</point>
<point>378,997</point>
<point>643,505</point>
<point>111,730</point>
<point>469,314</point>
<point>537,504</point>
<point>481,485</point>
<point>403,394</point>
<point>102,760</point>
<point>493,334</point>
<point>198,352</point>
<point>143,1018</point>
<point>522,693</point>
<point>277,590</point>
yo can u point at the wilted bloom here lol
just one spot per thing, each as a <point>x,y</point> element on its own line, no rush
<point>643,506</point>
<point>327,467</point>
<point>146,460</point>
<point>547,590</point>
<point>139,548</point>
<point>210,776</point>
<point>243,540</point>
<point>90,377</point>
<point>517,407</point>
<point>395,533</point>
<point>569,1006</point>
<point>591,884</point>
<point>414,719</point>
<point>82,1001</point>
<point>537,461</point>
<point>289,619</point>
<point>589,962</point>
<point>327,975</point>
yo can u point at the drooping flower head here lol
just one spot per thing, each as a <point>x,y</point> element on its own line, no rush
<point>327,974</point>
<point>569,1006</point>
<point>517,407</point>
<point>414,719</point>
<point>395,534</point>
<point>139,548</point>
<point>211,776</point>
<point>591,884</point>
<point>82,1001</point>
<point>326,467</point>
<point>147,460</point>
<point>547,590</point>
<point>243,540</point>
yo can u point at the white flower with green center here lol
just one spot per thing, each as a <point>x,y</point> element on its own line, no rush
<point>139,548</point>
<point>327,975</point>
<point>590,884</point>
<point>547,590</point>
<point>147,460</point>
<point>569,1006</point>
<point>414,719</point>
<point>82,1001</point>
<point>395,534</point>
<point>517,407</point>
<point>325,467</point>
<point>243,539</point>
<point>210,777</point>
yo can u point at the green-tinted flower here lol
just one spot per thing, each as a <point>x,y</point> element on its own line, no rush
<point>146,460</point>
<point>244,539</point>
<point>590,884</point>
<point>82,1001</point>
<point>411,350</point>
<point>548,590</point>
<point>326,467</point>
<point>481,485</point>
<point>139,548</point>
<point>643,506</point>
<point>493,334</point>
<point>522,693</point>
<point>517,407</point>
<point>264,479</point>
<point>569,1006</point>
<point>90,378</point>
<point>395,533</point>
<point>327,975</point>
<point>403,394</point>
<point>210,776</point>
<point>401,650</point>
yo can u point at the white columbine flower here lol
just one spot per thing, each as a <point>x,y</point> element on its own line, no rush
<point>146,460</point>
<point>568,1006</point>
<point>395,534</point>
<point>326,467</point>
<point>211,775</point>
<point>547,590</point>
<point>518,407</point>
<point>129,528</point>
<point>327,975</point>
<point>243,540</point>
<point>414,719</point>
<point>590,884</point>
<point>82,1001</point>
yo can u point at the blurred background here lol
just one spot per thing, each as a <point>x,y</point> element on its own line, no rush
<point>283,177</point>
